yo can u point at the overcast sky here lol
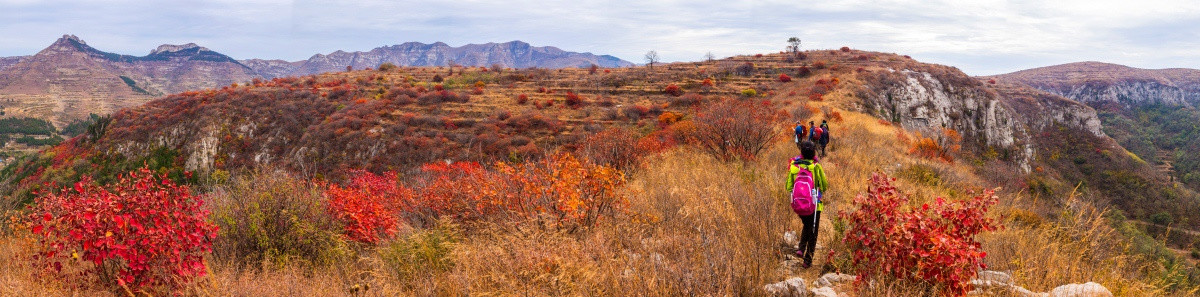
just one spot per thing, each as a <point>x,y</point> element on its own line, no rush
<point>980,37</point>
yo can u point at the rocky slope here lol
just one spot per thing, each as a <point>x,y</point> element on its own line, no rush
<point>1090,82</point>
<point>69,79</point>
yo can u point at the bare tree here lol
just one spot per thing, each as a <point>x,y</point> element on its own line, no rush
<point>651,58</point>
<point>794,45</point>
<point>709,57</point>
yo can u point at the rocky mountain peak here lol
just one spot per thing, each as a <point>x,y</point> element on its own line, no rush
<point>168,48</point>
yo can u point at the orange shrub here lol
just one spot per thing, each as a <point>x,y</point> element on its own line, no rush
<point>367,204</point>
<point>673,90</point>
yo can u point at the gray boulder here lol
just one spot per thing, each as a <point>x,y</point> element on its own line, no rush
<point>792,287</point>
<point>1088,289</point>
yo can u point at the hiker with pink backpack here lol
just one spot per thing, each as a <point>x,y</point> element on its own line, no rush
<point>806,183</point>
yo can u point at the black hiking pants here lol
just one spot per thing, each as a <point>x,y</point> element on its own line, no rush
<point>808,236</point>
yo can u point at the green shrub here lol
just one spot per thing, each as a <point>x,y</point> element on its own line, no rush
<point>1162,218</point>
<point>749,93</point>
<point>274,219</point>
<point>423,253</point>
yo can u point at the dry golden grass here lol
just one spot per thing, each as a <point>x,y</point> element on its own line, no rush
<point>695,226</point>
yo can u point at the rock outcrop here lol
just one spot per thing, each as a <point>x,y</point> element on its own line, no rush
<point>1095,82</point>
<point>513,54</point>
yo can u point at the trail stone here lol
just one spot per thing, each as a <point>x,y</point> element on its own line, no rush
<point>994,276</point>
<point>790,239</point>
<point>1023,292</point>
<point>1089,289</point>
<point>831,279</point>
<point>792,287</point>
<point>824,292</point>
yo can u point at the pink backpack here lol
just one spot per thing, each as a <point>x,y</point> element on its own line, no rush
<point>804,192</point>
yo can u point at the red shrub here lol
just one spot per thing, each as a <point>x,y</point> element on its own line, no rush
<point>804,71</point>
<point>784,78</point>
<point>735,129</point>
<point>673,90</point>
<point>143,232</point>
<point>367,205</point>
<point>611,147</point>
<point>708,82</point>
<point>845,49</point>
<point>477,91</point>
<point>992,81</point>
<point>573,100</point>
<point>819,65</point>
<point>931,244</point>
<point>522,98</point>
<point>541,89</point>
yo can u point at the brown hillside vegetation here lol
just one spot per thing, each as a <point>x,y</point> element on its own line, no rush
<point>578,182</point>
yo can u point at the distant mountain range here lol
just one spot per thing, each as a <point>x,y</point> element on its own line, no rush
<point>70,79</point>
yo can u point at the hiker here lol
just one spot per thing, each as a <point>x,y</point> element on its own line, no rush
<point>801,133</point>
<point>824,139</point>
<point>812,129</point>
<point>806,183</point>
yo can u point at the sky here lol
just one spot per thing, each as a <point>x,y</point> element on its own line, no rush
<point>980,37</point>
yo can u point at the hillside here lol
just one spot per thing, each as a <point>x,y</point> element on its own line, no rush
<point>1149,112</point>
<point>693,221</point>
<point>69,80</point>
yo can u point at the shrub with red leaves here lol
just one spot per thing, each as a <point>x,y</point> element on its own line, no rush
<point>845,49</point>
<point>932,244</point>
<point>784,77</point>
<point>367,204</point>
<point>522,98</point>
<point>735,128</point>
<point>573,99</point>
<point>673,90</point>
<point>143,232</point>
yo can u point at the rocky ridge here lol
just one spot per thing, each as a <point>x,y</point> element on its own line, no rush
<point>1092,82</point>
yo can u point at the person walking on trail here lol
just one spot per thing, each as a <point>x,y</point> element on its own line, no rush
<point>806,183</point>
<point>801,133</point>
<point>812,129</point>
<point>824,138</point>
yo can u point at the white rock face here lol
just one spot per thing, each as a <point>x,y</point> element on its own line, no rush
<point>792,287</point>
<point>1089,289</point>
<point>1128,93</point>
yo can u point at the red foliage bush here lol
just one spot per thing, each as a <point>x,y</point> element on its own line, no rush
<point>819,65</point>
<point>673,90</point>
<point>522,98</point>
<point>708,82</point>
<point>735,128</point>
<point>573,99</point>
<point>845,49</point>
<point>612,147</point>
<point>367,204</point>
<point>143,232</point>
<point>688,99</point>
<point>992,81</point>
<point>931,244</point>
<point>784,78</point>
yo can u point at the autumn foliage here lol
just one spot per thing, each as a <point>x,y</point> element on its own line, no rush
<point>942,146</point>
<point>673,90</point>
<point>143,233</point>
<point>560,191</point>
<point>735,128</point>
<point>933,244</point>
<point>784,78</point>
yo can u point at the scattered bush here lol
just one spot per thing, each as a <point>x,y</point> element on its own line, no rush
<point>425,252</point>
<point>735,129</point>
<point>687,100</point>
<point>783,77</point>
<point>611,147</point>
<point>573,99</point>
<point>845,49</point>
<point>522,98</point>
<point>746,69</point>
<point>274,219</point>
<point>142,233</point>
<point>385,67</point>
<point>931,245</point>
<point>673,90</point>
<point>750,92</point>
<point>947,144</point>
